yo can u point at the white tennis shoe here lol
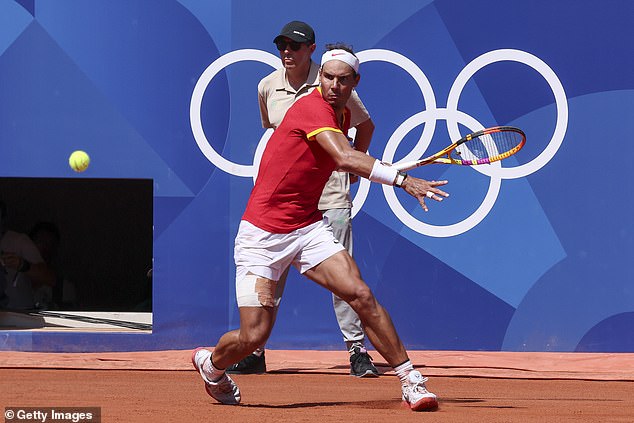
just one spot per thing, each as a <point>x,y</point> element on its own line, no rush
<point>223,390</point>
<point>416,395</point>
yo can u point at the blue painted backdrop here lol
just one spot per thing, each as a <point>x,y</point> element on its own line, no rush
<point>531,257</point>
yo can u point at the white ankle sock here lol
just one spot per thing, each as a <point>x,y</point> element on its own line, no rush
<point>402,371</point>
<point>211,372</point>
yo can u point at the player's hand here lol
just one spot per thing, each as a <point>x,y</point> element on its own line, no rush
<point>353,178</point>
<point>422,189</point>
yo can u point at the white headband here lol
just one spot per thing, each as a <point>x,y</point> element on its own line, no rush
<point>342,55</point>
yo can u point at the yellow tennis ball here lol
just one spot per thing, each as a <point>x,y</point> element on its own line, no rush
<point>79,161</point>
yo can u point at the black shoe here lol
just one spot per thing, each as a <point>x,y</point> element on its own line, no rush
<point>361,364</point>
<point>249,365</point>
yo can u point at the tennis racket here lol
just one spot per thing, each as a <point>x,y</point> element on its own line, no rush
<point>482,147</point>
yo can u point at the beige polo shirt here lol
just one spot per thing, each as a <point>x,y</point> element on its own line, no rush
<point>276,96</point>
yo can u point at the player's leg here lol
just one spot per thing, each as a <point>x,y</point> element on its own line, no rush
<point>255,363</point>
<point>256,323</point>
<point>256,305</point>
<point>340,221</point>
<point>257,270</point>
<point>339,273</point>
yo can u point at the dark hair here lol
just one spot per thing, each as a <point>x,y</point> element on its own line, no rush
<point>340,46</point>
<point>3,210</point>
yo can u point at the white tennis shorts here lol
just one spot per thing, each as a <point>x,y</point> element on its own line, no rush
<point>267,255</point>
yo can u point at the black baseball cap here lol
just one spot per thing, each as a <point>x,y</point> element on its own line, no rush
<point>297,31</point>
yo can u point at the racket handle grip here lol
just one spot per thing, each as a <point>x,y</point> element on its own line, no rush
<point>402,166</point>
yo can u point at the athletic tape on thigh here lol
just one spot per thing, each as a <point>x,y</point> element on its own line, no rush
<point>256,291</point>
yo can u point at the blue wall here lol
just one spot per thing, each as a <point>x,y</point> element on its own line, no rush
<point>530,257</point>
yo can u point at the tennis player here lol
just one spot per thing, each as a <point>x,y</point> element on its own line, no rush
<point>276,94</point>
<point>282,225</point>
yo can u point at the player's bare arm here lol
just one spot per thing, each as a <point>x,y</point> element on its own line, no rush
<point>350,160</point>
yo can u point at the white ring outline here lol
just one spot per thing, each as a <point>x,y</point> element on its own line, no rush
<point>438,231</point>
<point>195,109</point>
<point>428,98</point>
<point>560,100</point>
<point>497,173</point>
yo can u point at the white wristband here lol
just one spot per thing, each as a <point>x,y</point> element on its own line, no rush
<point>383,173</point>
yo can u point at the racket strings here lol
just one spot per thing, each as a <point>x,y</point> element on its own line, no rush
<point>490,146</point>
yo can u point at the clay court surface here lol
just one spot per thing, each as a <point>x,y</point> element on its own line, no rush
<point>311,386</point>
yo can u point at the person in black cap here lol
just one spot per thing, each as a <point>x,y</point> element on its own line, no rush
<point>277,92</point>
<point>297,31</point>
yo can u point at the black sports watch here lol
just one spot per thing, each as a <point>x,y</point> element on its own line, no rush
<point>400,178</point>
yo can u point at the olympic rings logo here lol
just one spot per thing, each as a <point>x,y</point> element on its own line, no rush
<point>429,117</point>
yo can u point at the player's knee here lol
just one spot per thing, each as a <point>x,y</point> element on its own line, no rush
<point>254,338</point>
<point>363,298</point>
